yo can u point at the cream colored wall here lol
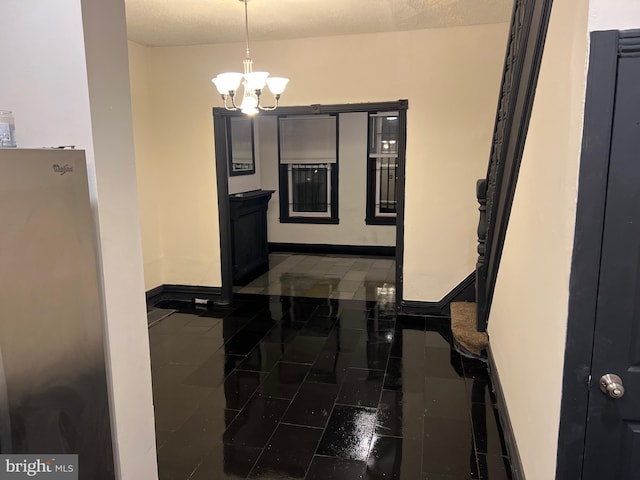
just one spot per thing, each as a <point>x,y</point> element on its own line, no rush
<point>451,78</point>
<point>151,186</point>
<point>65,75</point>
<point>182,98</point>
<point>352,190</point>
<point>527,325</point>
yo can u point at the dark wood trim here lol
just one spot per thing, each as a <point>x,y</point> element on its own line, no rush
<point>441,307</point>
<point>335,177</point>
<point>311,220</point>
<point>380,221</point>
<point>400,198</point>
<point>587,247</point>
<point>371,175</point>
<point>327,109</point>
<point>151,295</point>
<point>283,185</point>
<point>224,218</point>
<point>505,422</point>
<point>629,43</point>
<point>458,290</point>
<point>183,292</point>
<point>283,189</point>
<point>316,248</point>
<point>527,35</point>
<point>283,179</point>
<point>371,218</point>
<point>427,309</point>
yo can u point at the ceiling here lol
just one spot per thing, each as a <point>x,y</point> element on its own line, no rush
<point>194,22</point>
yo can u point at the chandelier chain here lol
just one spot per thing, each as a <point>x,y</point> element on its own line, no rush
<point>246,26</point>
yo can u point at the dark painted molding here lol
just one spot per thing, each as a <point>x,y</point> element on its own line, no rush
<point>334,178</point>
<point>324,109</point>
<point>224,215</point>
<point>460,290</point>
<point>361,107</point>
<point>183,292</point>
<point>527,35</point>
<point>308,220</point>
<point>427,309</point>
<point>332,249</point>
<point>380,220</point>
<point>153,293</point>
<point>440,308</point>
<point>629,43</point>
<point>371,218</point>
<point>505,422</point>
<point>587,248</point>
<point>401,170</point>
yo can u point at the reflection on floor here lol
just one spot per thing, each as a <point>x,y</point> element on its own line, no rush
<point>346,277</point>
<point>279,387</point>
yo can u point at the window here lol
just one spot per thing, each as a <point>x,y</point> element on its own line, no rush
<point>308,169</point>
<point>384,148</point>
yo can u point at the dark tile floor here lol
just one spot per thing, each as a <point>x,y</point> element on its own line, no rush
<point>310,388</point>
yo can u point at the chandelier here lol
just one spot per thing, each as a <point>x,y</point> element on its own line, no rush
<point>253,83</point>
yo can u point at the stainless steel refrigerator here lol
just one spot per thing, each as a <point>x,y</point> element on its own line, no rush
<point>53,383</point>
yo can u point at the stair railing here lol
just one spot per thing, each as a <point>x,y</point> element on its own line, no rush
<point>495,193</point>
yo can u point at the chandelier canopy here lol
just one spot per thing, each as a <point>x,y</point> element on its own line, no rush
<point>253,83</point>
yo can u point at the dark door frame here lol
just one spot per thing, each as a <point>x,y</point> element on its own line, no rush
<point>221,150</point>
<point>605,49</point>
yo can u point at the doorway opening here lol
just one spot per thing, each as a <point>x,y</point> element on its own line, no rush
<point>332,217</point>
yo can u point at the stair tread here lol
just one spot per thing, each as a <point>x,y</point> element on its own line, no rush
<point>464,328</point>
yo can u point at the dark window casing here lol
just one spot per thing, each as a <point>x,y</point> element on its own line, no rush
<point>308,190</point>
<point>385,147</point>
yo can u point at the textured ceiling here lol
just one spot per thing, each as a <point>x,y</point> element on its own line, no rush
<point>193,22</point>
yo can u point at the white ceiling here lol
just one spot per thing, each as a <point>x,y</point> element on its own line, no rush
<point>193,22</point>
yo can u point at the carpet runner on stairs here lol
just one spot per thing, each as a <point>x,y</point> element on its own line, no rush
<point>467,340</point>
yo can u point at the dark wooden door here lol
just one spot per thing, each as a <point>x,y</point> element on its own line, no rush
<point>612,447</point>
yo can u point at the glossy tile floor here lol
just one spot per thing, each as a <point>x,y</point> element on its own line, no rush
<point>346,277</point>
<point>278,387</point>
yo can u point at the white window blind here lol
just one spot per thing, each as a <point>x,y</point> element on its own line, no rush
<point>308,139</point>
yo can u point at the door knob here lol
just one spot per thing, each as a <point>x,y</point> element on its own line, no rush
<point>611,385</point>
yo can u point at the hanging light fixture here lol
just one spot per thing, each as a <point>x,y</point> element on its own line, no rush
<point>253,83</point>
